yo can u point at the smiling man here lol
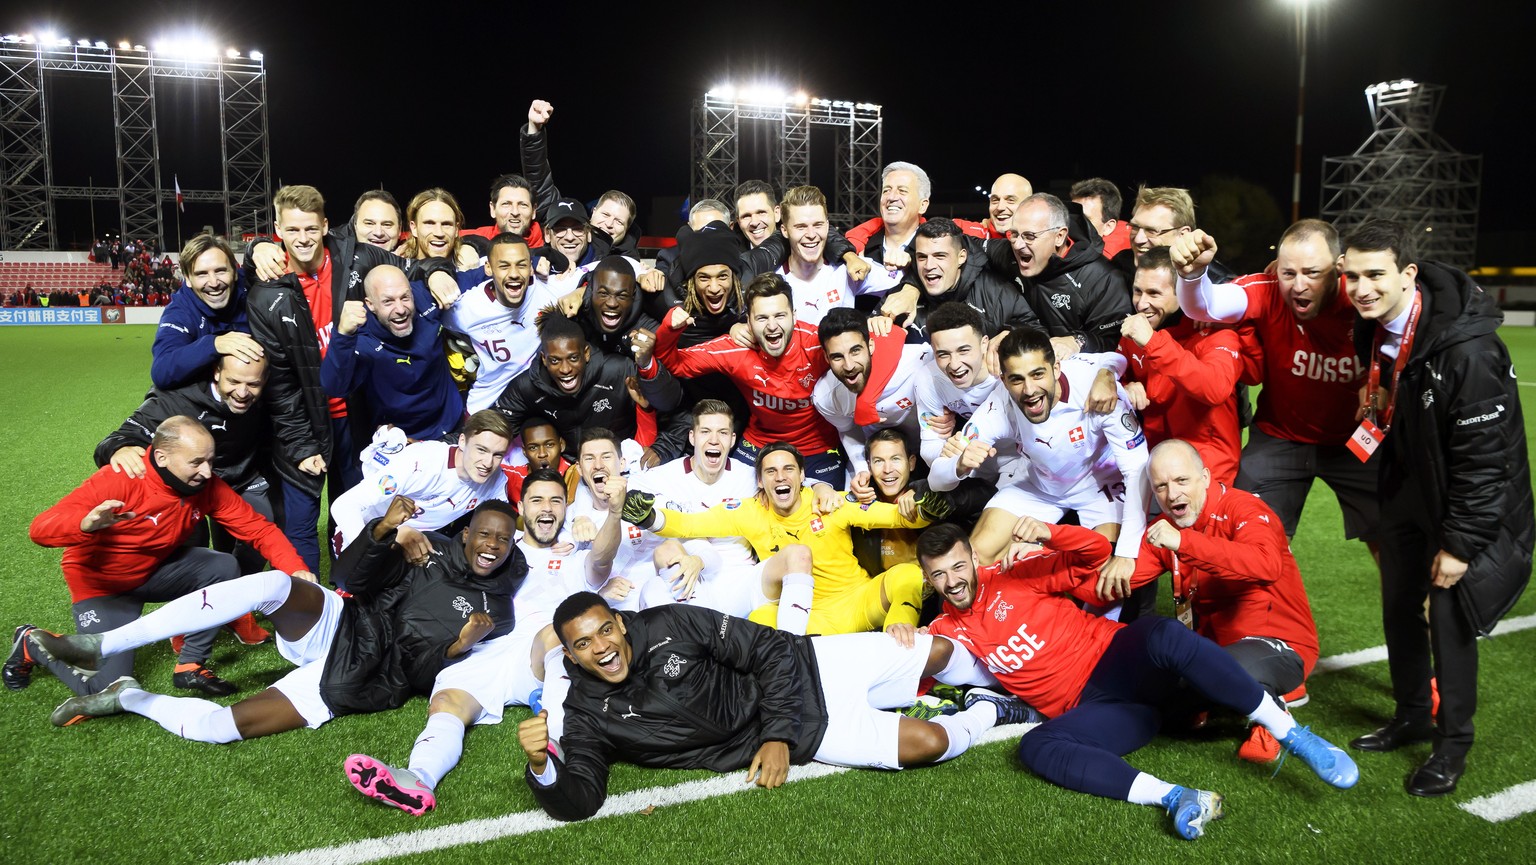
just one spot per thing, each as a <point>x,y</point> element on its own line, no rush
<point>685,687</point>
<point>402,622</point>
<point>445,481</point>
<point>389,346</point>
<point>1307,410</point>
<point>498,315</point>
<point>1457,519</point>
<point>863,392</point>
<point>817,286</point>
<point>205,319</point>
<point>949,266</point>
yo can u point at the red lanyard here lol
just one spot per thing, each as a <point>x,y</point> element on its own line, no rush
<point>1404,349</point>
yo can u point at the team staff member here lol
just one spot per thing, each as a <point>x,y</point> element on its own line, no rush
<point>1235,581</point>
<point>124,538</point>
<point>1457,520</point>
<point>206,317</point>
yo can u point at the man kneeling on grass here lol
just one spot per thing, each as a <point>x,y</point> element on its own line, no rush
<point>1102,684</point>
<point>403,622</point>
<point>683,687</point>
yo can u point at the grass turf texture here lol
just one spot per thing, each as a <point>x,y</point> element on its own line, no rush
<point>122,790</point>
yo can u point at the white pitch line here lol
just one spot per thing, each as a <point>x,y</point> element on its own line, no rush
<point>1505,804</point>
<point>1527,383</point>
<point>1522,797</point>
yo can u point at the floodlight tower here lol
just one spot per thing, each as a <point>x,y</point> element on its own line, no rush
<point>27,188</point>
<point>1405,171</point>
<point>715,168</point>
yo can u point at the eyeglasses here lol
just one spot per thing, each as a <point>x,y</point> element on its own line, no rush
<point>1151,233</point>
<point>568,229</point>
<point>1032,236</point>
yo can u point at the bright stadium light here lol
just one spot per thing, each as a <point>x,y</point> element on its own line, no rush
<point>125,45</point>
<point>233,54</point>
<point>100,45</point>
<point>256,55</point>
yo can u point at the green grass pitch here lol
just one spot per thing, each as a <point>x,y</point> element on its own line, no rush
<point>122,790</point>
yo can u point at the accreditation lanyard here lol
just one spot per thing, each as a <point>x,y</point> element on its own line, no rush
<point>1183,605</point>
<point>1403,351</point>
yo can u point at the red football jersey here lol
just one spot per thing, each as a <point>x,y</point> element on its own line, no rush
<point>1311,375</point>
<point>1025,626</point>
<point>778,389</point>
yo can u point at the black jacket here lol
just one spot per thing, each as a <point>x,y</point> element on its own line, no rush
<point>602,400</point>
<point>1081,294</point>
<point>280,320</point>
<point>981,287</point>
<point>1454,463</point>
<point>535,153</point>
<point>238,439</point>
<point>704,691</point>
<point>401,618</point>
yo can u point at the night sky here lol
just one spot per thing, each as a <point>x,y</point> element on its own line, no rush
<point>1162,93</point>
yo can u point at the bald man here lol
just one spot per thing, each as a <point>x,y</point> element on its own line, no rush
<point>1008,191</point>
<point>124,537</point>
<point>389,346</point>
<point>1234,578</point>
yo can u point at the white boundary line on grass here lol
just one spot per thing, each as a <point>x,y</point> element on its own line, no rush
<point>1504,804</point>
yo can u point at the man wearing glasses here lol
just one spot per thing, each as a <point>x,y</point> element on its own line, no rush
<point>1080,297</point>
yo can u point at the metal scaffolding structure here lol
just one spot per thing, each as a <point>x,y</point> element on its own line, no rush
<point>27,190</point>
<point>1405,171</point>
<point>715,167</point>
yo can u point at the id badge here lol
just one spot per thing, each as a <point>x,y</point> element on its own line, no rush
<point>1365,439</point>
<point>1183,610</point>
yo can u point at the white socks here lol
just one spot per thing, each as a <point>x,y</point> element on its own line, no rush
<point>964,727</point>
<point>187,717</point>
<point>1273,716</point>
<point>202,609</point>
<point>437,749</point>
<point>964,668</point>
<point>795,603</point>
<point>1147,790</point>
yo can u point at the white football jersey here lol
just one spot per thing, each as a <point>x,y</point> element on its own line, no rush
<point>427,473</point>
<point>551,579</point>
<point>505,339</point>
<point>677,488</point>
<point>897,405</point>
<point>829,289</point>
<point>934,392</point>
<point>633,560</point>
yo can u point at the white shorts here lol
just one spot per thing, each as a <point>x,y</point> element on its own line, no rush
<point>736,591</point>
<point>1093,506</point>
<point>302,688</point>
<point>861,675</point>
<point>497,673</point>
<point>316,642</point>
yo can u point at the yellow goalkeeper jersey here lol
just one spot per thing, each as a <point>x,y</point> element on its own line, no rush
<point>832,560</point>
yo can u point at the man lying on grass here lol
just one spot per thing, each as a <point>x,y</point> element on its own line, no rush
<point>683,687</point>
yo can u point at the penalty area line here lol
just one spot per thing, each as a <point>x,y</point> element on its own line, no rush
<point>1505,805</point>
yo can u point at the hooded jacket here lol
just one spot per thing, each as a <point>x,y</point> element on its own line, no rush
<point>239,440</point>
<point>616,342</point>
<point>603,399</point>
<point>397,625</point>
<point>1454,462</point>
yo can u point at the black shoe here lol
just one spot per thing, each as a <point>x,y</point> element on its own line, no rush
<point>17,672</point>
<point>1394,735</point>
<point>1438,775</point>
<point>200,678</point>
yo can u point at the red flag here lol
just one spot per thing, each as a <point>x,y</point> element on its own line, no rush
<point>179,203</point>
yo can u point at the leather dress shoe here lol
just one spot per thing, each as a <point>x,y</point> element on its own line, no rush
<point>1394,735</point>
<point>1438,775</point>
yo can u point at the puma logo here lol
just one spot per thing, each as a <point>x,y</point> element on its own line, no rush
<point>630,714</point>
<point>206,605</point>
<point>153,519</point>
<point>290,319</point>
<point>404,360</point>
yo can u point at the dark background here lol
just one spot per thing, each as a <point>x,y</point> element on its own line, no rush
<point>1163,93</point>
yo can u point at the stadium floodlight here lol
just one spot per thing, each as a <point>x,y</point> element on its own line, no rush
<point>799,98</point>
<point>726,92</point>
<point>62,42</point>
<point>100,45</point>
<point>233,54</point>
<point>84,43</point>
<point>256,55</point>
<point>47,37</point>
<point>125,45</point>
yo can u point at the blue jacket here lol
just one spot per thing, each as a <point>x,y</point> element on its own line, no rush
<point>406,381</point>
<point>183,349</point>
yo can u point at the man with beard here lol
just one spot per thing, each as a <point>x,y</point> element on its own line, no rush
<point>230,408</point>
<point>1102,685</point>
<point>1181,377</point>
<point>499,315</point>
<point>205,319</point>
<point>125,545</point>
<point>390,345</point>
<point>1069,458</point>
<point>576,388</point>
<point>513,211</point>
<point>950,267</point>
<point>776,376</point>
<point>445,481</point>
<point>853,369</point>
<point>1234,578</point>
<point>757,218</point>
<point>845,599</point>
<point>399,626</point>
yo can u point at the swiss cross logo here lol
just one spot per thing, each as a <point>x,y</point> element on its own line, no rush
<point>903,403</point>
<point>1076,435</point>
<point>816,524</point>
<point>634,533</point>
<point>834,295</point>
<point>554,565</point>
